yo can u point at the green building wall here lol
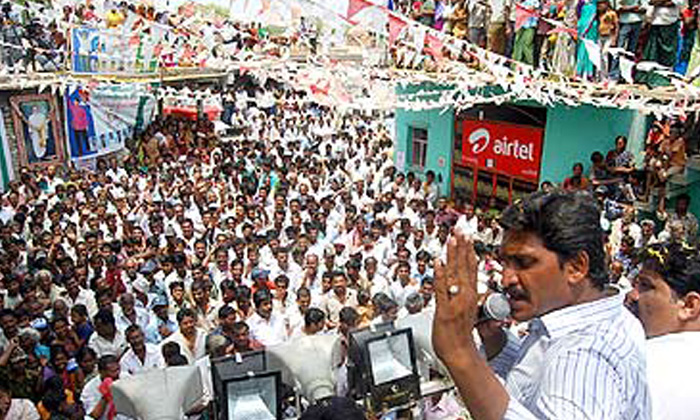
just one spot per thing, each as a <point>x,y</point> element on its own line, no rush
<point>440,128</point>
<point>572,134</point>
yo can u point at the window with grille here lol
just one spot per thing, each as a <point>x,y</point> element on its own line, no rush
<point>419,146</point>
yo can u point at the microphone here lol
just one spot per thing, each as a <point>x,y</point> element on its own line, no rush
<point>495,307</point>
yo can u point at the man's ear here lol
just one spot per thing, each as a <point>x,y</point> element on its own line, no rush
<point>576,269</point>
<point>690,311</point>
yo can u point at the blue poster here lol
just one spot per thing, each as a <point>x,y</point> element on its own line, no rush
<point>81,126</point>
<point>85,50</point>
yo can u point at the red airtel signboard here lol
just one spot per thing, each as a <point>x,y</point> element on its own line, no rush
<point>511,149</point>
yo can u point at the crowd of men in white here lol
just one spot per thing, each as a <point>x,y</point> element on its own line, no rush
<point>299,225</point>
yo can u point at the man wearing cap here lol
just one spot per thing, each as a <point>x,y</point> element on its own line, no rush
<point>648,237</point>
<point>261,280</point>
<point>162,324</point>
<point>666,297</point>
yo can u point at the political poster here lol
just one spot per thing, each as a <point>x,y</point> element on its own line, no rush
<point>37,129</point>
<point>114,51</point>
<point>100,119</point>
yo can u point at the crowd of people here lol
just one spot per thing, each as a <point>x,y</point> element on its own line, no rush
<point>592,39</point>
<point>194,246</point>
<point>628,179</point>
<point>35,35</point>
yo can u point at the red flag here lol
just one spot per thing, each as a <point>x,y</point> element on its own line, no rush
<point>187,9</point>
<point>354,6</point>
<point>522,14</point>
<point>434,46</point>
<point>396,25</point>
<point>321,86</point>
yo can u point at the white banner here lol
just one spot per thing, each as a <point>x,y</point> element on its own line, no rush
<point>101,119</point>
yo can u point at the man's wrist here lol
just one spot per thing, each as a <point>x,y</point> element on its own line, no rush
<point>462,357</point>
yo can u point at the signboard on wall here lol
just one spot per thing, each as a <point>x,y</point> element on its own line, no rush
<point>511,149</point>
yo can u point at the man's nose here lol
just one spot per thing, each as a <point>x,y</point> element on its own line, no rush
<point>510,278</point>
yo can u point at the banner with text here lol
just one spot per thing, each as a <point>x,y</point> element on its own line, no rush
<point>511,149</point>
<point>113,51</point>
<point>100,119</point>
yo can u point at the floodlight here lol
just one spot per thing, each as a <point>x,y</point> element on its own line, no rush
<point>256,397</point>
<point>235,366</point>
<point>383,362</point>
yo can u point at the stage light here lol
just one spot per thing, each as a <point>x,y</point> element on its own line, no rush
<point>308,362</point>
<point>382,368</point>
<point>236,366</point>
<point>254,397</point>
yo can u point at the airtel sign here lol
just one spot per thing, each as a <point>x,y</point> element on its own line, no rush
<point>501,147</point>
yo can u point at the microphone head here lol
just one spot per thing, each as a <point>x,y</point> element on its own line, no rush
<point>496,307</point>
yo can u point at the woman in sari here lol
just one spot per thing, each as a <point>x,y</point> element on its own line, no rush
<point>587,29</point>
<point>564,55</point>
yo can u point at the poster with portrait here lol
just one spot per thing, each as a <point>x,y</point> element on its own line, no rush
<point>111,51</point>
<point>37,129</point>
<point>100,119</point>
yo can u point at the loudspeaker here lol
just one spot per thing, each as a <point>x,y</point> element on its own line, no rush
<point>159,394</point>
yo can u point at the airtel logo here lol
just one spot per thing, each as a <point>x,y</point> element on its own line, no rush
<point>479,139</point>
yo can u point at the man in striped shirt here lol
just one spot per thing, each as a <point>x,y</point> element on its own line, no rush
<point>583,357</point>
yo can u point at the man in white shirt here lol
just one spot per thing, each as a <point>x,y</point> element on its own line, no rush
<point>192,340</point>
<point>403,285</point>
<point>338,298</point>
<point>129,314</point>
<point>74,295</point>
<point>96,396</point>
<point>107,339</point>
<point>266,326</point>
<point>666,297</point>
<point>141,356</point>
<point>16,408</point>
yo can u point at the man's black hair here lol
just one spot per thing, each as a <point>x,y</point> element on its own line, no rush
<point>105,361</point>
<point>104,316</point>
<point>677,264</point>
<point>261,296</point>
<point>567,223</point>
<point>184,313</point>
<point>314,316</point>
